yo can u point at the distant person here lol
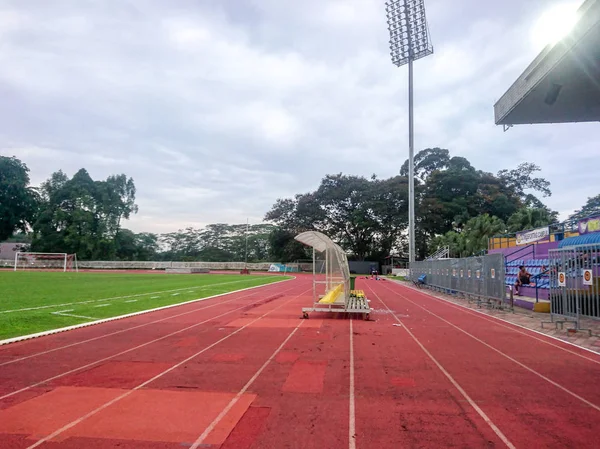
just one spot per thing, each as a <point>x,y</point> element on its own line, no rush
<point>523,278</point>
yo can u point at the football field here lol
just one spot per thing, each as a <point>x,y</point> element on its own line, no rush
<point>34,301</point>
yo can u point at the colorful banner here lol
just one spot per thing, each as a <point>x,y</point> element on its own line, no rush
<point>589,225</point>
<point>527,237</point>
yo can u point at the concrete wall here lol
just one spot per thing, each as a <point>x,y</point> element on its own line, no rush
<point>8,250</point>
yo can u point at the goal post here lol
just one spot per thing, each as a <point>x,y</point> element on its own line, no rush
<point>45,261</point>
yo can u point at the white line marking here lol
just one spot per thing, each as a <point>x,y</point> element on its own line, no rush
<point>158,376</point>
<point>102,305</point>
<point>471,402</point>
<point>131,300</point>
<point>229,406</point>
<point>119,317</point>
<point>123,297</point>
<point>74,316</point>
<point>62,311</point>
<point>119,353</point>
<point>174,294</point>
<point>352,411</point>
<point>153,297</point>
<point>494,319</point>
<point>522,365</point>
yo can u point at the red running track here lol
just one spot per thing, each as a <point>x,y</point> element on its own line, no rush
<point>243,371</point>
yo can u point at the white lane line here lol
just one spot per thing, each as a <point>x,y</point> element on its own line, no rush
<point>265,286</point>
<point>74,370</point>
<point>123,297</point>
<point>237,397</point>
<point>495,320</point>
<point>522,365</point>
<point>102,305</point>
<point>158,376</point>
<point>468,398</point>
<point>352,411</point>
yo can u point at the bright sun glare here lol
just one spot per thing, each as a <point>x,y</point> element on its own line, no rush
<point>555,24</point>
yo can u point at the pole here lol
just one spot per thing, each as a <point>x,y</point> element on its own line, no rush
<point>411,168</point>
<point>246,254</point>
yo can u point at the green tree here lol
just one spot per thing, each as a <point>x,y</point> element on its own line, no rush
<point>80,215</point>
<point>591,207</point>
<point>530,218</point>
<point>473,239</point>
<point>18,201</point>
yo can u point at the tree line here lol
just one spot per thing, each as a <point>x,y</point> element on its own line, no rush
<point>456,206</point>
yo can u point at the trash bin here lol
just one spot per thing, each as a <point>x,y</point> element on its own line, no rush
<point>352,282</point>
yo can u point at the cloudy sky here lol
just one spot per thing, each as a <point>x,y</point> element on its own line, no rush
<point>218,107</point>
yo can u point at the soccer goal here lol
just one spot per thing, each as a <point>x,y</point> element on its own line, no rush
<point>45,261</point>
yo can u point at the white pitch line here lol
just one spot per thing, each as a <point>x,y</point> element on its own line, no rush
<point>104,320</point>
<point>240,393</point>
<point>74,370</point>
<point>154,297</point>
<point>102,305</point>
<point>468,398</point>
<point>131,300</point>
<point>522,365</point>
<point>158,376</point>
<point>174,294</point>
<point>62,311</point>
<point>76,316</point>
<point>122,297</point>
<point>352,408</point>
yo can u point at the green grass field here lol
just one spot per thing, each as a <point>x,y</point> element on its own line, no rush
<point>32,302</point>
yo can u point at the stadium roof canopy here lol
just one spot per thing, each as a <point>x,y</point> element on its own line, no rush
<point>563,83</point>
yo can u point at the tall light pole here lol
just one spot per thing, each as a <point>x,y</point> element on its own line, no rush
<point>409,41</point>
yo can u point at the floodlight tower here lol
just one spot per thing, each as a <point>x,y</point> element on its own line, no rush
<point>409,41</point>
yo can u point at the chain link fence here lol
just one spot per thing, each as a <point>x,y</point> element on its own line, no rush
<point>481,276</point>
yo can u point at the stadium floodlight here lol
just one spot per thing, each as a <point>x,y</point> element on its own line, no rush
<point>409,41</point>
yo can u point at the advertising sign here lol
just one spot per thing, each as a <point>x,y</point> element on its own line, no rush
<point>562,279</point>
<point>589,225</point>
<point>527,237</point>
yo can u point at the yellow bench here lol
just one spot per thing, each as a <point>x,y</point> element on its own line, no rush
<point>333,294</point>
<point>357,293</point>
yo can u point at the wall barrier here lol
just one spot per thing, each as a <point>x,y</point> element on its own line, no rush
<point>481,276</point>
<point>138,265</point>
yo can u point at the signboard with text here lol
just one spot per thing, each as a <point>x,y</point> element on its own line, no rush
<point>589,225</point>
<point>527,237</point>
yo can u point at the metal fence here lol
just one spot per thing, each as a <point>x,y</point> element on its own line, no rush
<point>575,283</point>
<point>481,276</point>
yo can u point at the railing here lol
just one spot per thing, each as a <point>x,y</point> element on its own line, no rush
<point>531,246</point>
<point>442,253</point>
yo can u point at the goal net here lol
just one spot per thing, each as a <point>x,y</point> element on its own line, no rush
<point>45,261</point>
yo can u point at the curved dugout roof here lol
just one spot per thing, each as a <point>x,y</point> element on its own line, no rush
<point>316,240</point>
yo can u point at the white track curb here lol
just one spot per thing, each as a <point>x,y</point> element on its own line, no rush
<point>120,317</point>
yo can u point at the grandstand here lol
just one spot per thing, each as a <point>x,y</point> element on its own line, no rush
<point>561,84</point>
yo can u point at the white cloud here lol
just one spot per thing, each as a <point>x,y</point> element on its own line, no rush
<point>216,109</point>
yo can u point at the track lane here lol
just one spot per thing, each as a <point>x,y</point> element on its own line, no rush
<point>34,373</point>
<point>525,407</point>
<point>568,369</point>
<point>107,409</point>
